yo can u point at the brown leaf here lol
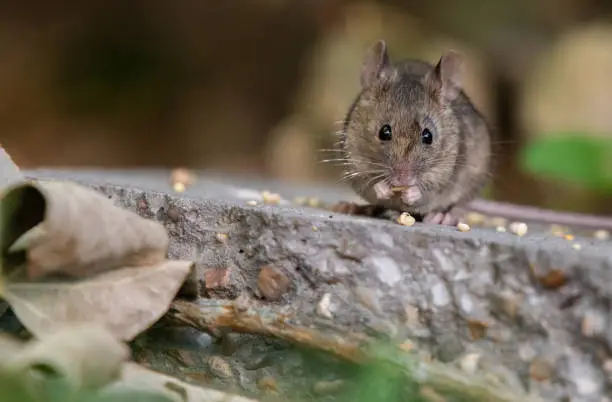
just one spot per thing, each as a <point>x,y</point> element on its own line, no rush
<point>84,356</point>
<point>64,228</point>
<point>125,301</point>
<point>137,377</point>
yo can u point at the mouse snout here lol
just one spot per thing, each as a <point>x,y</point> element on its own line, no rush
<point>402,175</point>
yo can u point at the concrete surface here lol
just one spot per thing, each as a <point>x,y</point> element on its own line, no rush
<point>546,306</point>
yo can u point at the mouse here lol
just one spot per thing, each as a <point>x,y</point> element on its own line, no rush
<point>412,141</point>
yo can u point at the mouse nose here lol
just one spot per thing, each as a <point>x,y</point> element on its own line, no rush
<point>402,175</point>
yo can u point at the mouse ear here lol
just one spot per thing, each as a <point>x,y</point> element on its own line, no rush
<point>375,60</point>
<point>447,76</point>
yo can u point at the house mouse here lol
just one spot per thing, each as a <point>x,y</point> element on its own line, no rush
<point>412,141</point>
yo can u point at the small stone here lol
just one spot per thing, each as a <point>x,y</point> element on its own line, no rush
<point>173,214</point>
<point>429,394</point>
<point>477,328</point>
<point>323,306</point>
<point>540,369</point>
<point>383,327</point>
<point>220,367</point>
<point>386,269</point>
<point>217,278</point>
<point>518,228</point>
<point>439,294</point>
<point>367,298</point>
<point>469,363</point>
<point>406,219</point>
<point>267,384</point>
<point>509,304</point>
<point>593,324</point>
<point>272,283</point>
<point>407,345</point>
<point>222,237</point>
<point>252,203</point>
<point>271,198</point>
<point>463,227</point>
<point>327,387</point>
<point>554,279</point>
<point>411,314</point>
<point>601,234</point>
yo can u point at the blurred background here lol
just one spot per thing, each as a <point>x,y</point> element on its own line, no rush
<point>259,86</point>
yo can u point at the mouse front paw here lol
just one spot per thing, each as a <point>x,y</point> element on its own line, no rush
<point>441,218</point>
<point>382,190</point>
<point>412,195</point>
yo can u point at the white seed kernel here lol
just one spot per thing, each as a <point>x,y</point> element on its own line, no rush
<point>406,219</point>
<point>518,228</point>
<point>463,227</point>
<point>601,234</point>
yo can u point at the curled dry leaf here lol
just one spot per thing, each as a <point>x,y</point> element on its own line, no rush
<point>125,301</point>
<point>64,228</point>
<point>82,356</point>
<point>136,377</point>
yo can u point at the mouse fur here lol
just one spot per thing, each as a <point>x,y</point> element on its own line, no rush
<point>436,155</point>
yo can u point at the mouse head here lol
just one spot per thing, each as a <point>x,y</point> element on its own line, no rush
<point>402,130</point>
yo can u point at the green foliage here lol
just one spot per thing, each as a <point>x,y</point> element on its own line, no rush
<point>572,157</point>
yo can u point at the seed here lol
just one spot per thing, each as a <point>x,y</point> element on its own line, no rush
<point>568,237</point>
<point>406,219</point>
<point>222,237</point>
<point>463,227</point>
<point>179,186</point>
<point>518,228</point>
<point>558,230</point>
<point>398,189</point>
<point>314,202</point>
<point>501,228</point>
<point>601,234</point>
<point>252,203</point>
<point>576,246</point>
<point>271,198</point>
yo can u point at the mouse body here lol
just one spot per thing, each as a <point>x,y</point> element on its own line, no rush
<point>412,140</point>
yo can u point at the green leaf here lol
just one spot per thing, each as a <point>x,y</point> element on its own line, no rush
<point>571,157</point>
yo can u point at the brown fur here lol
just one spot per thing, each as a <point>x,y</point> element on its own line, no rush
<point>410,96</point>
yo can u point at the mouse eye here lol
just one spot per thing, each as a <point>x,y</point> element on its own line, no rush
<point>385,133</point>
<point>426,136</point>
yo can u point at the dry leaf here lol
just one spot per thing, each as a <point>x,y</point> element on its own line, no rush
<point>9,346</point>
<point>137,377</point>
<point>85,356</point>
<point>126,301</point>
<point>64,228</point>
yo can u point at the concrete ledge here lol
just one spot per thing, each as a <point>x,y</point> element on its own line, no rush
<point>528,303</point>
